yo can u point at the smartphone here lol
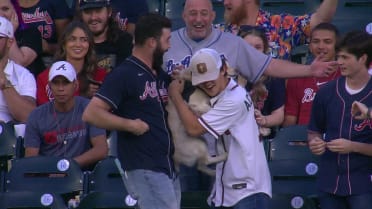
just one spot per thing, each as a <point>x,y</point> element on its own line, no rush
<point>94,82</point>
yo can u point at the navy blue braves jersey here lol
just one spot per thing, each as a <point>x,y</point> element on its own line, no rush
<point>342,174</point>
<point>134,92</point>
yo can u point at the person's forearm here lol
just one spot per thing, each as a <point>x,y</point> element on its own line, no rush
<point>23,56</point>
<point>188,118</point>
<point>324,13</point>
<point>19,106</point>
<point>285,69</point>
<point>91,156</point>
<point>106,120</point>
<point>362,148</point>
<point>275,118</point>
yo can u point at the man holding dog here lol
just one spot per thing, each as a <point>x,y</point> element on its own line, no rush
<point>244,177</point>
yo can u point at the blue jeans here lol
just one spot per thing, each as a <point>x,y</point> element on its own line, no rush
<point>331,201</point>
<point>153,190</point>
<point>255,201</point>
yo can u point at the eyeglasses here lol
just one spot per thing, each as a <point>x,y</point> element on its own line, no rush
<point>250,29</point>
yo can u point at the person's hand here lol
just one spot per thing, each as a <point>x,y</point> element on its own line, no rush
<point>260,119</point>
<point>92,89</point>
<point>176,87</point>
<point>317,146</point>
<point>139,127</point>
<point>359,110</point>
<point>14,20</point>
<point>342,146</point>
<point>320,68</point>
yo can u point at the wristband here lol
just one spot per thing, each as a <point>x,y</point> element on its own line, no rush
<point>369,113</point>
<point>7,85</point>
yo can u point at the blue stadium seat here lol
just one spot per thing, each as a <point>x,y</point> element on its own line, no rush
<point>34,200</point>
<point>106,187</point>
<point>42,174</point>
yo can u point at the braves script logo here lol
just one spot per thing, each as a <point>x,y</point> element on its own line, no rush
<point>365,123</point>
<point>38,16</point>
<point>152,92</point>
<point>201,68</point>
<point>185,62</point>
<point>309,95</point>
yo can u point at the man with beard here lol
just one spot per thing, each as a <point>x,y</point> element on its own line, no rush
<point>284,31</point>
<point>112,45</point>
<point>132,101</point>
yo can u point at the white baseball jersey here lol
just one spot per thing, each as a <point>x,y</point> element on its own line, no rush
<point>245,172</point>
<point>239,54</point>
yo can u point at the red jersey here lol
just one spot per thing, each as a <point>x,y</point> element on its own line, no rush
<point>300,93</point>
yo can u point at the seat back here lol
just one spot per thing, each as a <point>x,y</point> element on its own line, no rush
<point>8,140</point>
<point>106,187</point>
<point>292,165</point>
<point>45,174</point>
<point>286,201</point>
<point>290,143</point>
<point>34,200</point>
<point>106,177</point>
<point>294,177</point>
<point>106,200</point>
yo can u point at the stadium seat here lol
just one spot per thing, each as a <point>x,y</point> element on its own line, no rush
<point>45,175</point>
<point>294,177</point>
<point>8,144</point>
<point>194,199</point>
<point>293,167</point>
<point>105,180</point>
<point>31,200</point>
<point>106,200</point>
<point>287,201</point>
<point>290,143</point>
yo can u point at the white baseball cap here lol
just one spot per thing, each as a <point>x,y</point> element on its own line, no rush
<point>205,66</point>
<point>6,28</point>
<point>64,69</point>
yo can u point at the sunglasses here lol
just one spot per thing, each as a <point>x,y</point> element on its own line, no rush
<point>250,28</point>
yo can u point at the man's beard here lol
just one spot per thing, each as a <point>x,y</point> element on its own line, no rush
<point>235,17</point>
<point>157,58</point>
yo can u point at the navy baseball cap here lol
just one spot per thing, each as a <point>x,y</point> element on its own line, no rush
<point>88,4</point>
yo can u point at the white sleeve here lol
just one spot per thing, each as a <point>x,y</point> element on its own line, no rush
<point>27,85</point>
<point>222,116</point>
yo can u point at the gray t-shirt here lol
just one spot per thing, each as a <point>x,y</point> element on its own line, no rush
<point>60,134</point>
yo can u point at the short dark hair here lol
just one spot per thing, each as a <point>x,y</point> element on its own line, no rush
<point>357,43</point>
<point>150,26</point>
<point>325,26</point>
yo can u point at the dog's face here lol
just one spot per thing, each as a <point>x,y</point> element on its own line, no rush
<point>199,102</point>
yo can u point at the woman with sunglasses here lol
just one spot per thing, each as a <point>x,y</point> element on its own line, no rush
<point>76,47</point>
<point>268,92</point>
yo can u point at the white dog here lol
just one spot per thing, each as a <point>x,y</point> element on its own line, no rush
<point>190,150</point>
